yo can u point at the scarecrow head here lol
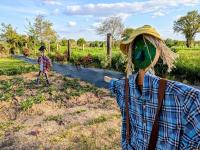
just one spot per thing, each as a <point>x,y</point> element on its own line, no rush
<point>42,49</point>
<point>143,47</point>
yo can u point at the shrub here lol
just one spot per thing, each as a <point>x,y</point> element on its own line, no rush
<point>53,47</point>
<point>118,62</point>
<point>52,56</point>
<point>12,50</point>
<point>26,52</point>
<point>60,57</point>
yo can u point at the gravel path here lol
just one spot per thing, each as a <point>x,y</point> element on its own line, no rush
<point>91,75</point>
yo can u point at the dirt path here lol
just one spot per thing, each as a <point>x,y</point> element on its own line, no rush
<point>91,75</point>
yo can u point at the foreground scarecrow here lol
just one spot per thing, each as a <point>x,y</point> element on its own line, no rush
<point>45,65</point>
<point>156,113</point>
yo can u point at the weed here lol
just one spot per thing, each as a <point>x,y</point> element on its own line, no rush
<point>97,120</point>
<point>56,118</point>
<point>78,111</point>
<point>28,103</point>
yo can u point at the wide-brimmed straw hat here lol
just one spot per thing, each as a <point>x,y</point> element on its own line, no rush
<point>150,34</point>
<point>146,30</point>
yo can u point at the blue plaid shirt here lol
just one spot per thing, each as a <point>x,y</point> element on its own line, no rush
<point>179,124</point>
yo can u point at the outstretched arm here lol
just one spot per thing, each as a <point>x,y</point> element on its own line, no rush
<point>107,79</point>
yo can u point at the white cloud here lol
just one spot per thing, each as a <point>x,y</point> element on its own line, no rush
<point>158,14</point>
<point>127,8</point>
<point>25,10</point>
<point>52,2</point>
<point>71,23</point>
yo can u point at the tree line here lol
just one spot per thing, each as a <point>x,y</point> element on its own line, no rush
<point>41,31</point>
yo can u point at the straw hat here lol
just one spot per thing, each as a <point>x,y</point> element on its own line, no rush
<point>146,30</point>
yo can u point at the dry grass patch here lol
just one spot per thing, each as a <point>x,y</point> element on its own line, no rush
<point>69,114</point>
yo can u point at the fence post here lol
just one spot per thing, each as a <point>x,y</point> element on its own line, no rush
<point>109,48</point>
<point>68,50</point>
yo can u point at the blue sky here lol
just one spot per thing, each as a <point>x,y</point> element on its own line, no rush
<point>78,18</point>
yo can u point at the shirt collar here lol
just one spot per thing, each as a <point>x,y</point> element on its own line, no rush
<point>147,85</point>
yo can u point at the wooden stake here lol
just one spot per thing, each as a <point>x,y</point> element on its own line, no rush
<point>109,48</point>
<point>68,50</point>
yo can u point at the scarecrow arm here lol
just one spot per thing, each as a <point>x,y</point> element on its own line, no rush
<point>107,79</point>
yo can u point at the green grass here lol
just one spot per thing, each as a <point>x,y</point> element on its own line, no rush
<point>76,89</point>
<point>97,120</point>
<point>11,66</point>
<point>29,102</point>
<point>54,118</point>
<point>188,66</point>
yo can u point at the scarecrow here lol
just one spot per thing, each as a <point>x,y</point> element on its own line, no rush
<point>156,113</point>
<point>44,63</point>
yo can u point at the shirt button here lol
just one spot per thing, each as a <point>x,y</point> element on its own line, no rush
<point>144,106</point>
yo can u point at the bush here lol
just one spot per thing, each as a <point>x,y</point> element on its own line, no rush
<point>53,47</point>
<point>60,57</point>
<point>118,62</point>
<point>2,49</point>
<point>85,61</point>
<point>26,52</point>
<point>52,56</point>
<point>12,50</point>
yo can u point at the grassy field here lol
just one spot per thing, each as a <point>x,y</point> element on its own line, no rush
<point>70,114</point>
<point>9,66</point>
<point>187,67</point>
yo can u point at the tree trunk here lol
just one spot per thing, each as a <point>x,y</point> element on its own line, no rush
<point>188,42</point>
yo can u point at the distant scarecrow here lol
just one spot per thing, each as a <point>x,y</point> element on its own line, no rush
<point>44,63</point>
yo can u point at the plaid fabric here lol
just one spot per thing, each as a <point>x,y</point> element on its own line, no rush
<point>46,62</point>
<point>179,125</point>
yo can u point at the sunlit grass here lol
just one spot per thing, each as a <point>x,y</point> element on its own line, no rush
<point>11,66</point>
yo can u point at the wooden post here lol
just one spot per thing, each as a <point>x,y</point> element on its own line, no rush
<point>57,46</point>
<point>68,50</point>
<point>26,45</point>
<point>109,48</point>
<point>83,47</point>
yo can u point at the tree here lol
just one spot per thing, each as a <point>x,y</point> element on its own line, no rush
<point>73,42</point>
<point>188,25</point>
<point>41,30</point>
<point>169,42</point>
<point>32,36</point>
<point>127,32</point>
<point>111,25</point>
<point>64,42</point>
<point>81,42</point>
<point>9,35</point>
<point>94,44</point>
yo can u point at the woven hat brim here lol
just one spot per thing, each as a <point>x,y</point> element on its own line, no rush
<point>124,45</point>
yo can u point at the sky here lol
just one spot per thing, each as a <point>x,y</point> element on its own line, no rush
<point>79,18</point>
